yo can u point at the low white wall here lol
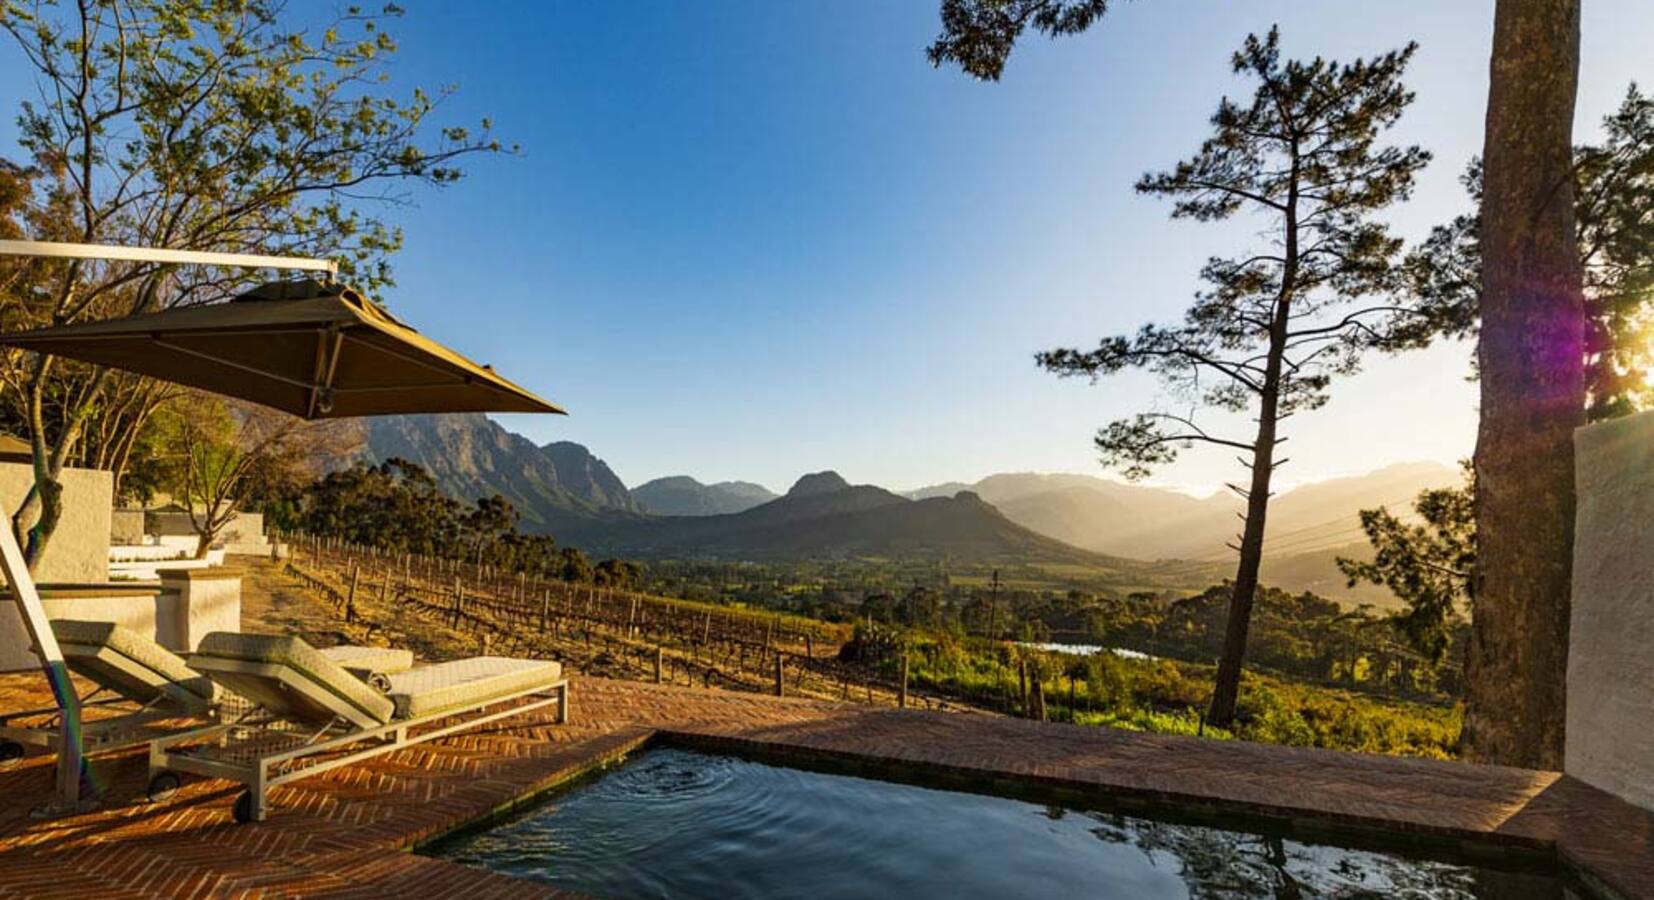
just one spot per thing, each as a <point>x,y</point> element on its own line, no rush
<point>141,609</point>
<point>126,526</point>
<point>78,552</point>
<point>243,534</point>
<point>1610,738</point>
<point>208,600</point>
<point>245,528</point>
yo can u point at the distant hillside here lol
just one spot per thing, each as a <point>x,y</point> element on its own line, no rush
<point>1317,571</point>
<point>680,495</point>
<point>1157,523</point>
<point>470,456</point>
<point>1309,527</point>
<point>824,516</point>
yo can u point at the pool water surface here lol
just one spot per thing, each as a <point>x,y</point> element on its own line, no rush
<point>682,824</point>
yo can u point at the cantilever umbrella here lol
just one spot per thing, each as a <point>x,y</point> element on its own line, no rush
<point>311,349</point>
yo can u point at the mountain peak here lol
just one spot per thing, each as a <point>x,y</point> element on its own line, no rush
<point>828,482</point>
<point>681,495</point>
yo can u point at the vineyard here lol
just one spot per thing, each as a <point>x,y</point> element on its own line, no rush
<point>460,608</point>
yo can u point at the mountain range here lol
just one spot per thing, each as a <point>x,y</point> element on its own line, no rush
<point>1065,519</point>
<point>680,495</point>
<point>472,456</point>
<point>822,515</point>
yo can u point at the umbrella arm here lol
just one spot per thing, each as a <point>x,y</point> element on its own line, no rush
<point>66,798</point>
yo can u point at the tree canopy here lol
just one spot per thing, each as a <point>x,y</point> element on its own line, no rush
<point>224,126</point>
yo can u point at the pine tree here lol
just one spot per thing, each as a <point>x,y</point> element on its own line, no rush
<point>1276,323</point>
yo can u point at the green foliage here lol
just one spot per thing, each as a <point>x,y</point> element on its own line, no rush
<point>189,125</point>
<point>572,565</point>
<point>979,34</point>
<point>1166,696</point>
<point>1428,565</point>
<point>397,507</point>
<point>618,573</point>
<point>1614,218</point>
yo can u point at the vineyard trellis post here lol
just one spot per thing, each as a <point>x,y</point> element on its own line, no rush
<point>350,598</point>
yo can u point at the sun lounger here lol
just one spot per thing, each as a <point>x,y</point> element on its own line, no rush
<point>312,715</point>
<point>143,691</point>
<point>140,686</point>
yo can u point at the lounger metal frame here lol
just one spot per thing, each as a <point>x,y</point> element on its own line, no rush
<point>98,735</point>
<point>209,752</point>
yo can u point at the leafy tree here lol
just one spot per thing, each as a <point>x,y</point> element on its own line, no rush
<point>488,522</point>
<point>1428,565</point>
<point>1612,186</point>
<point>618,573</point>
<point>1530,401</point>
<point>575,566</point>
<point>193,126</point>
<point>394,505</point>
<point>223,453</point>
<point>1277,323</point>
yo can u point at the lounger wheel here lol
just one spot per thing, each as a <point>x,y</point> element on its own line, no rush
<point>243,809</point>
<point>11,752</point>
<point>163,786</point>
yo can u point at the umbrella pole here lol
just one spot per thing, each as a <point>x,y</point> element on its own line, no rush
<point>66,800</point>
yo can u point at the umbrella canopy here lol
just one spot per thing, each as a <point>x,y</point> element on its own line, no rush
<point>314,350</point>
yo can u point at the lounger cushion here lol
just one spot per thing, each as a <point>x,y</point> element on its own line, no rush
<point>317,672</point>
<point>126,662</point>
<point>368,662</point>
<point>463,683</point>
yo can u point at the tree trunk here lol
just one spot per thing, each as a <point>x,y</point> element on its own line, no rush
<point>1226,688</point>
<point>1531,355</point>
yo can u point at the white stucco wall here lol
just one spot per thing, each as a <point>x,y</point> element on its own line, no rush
<point>208,600</point>
<point>137,608</point>
<point>78,552</point>
<point>1610,737</point>
<point>126,526</point>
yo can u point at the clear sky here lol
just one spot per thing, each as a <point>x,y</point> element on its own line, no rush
<point>755,238</point>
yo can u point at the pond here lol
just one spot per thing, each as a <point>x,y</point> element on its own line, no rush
<point>676,823</point>
<point>1083,649</point>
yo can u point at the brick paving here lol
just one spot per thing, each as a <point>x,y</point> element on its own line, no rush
<point>344,833</point>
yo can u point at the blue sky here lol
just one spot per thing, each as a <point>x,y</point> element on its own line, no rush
<point>756,238</point>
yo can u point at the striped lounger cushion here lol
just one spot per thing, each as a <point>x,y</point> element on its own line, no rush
<point>124,661</point>
<point>299,657</point>
<point>464,683</point>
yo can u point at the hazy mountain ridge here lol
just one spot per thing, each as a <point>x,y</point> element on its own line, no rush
<point>681,495</point>
<point>1145,522</point>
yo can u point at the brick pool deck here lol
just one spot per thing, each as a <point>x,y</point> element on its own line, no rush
<point>346,832</point>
